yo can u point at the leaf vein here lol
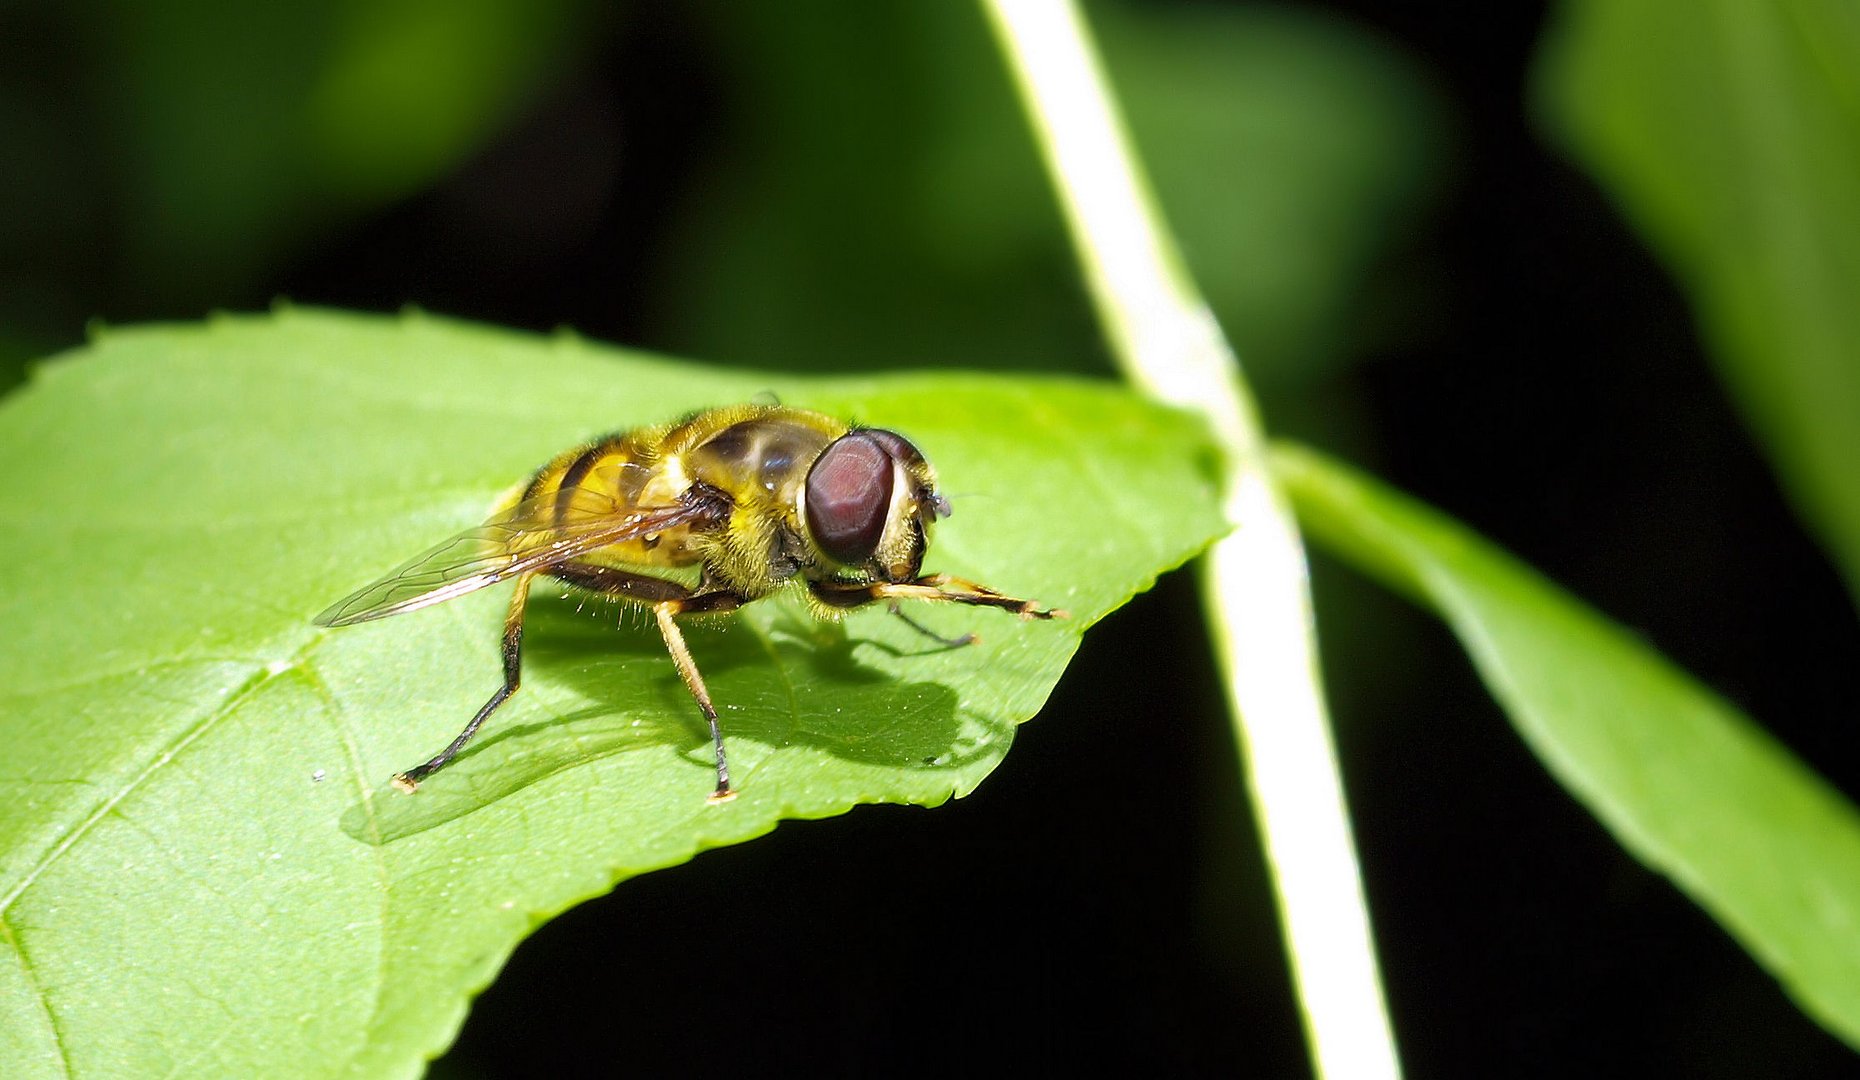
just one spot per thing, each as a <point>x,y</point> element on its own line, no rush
<point>252,684</point>
<point>11,937</point>
<point>334,711</point>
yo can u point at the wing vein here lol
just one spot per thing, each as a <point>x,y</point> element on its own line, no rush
<point>537,532</point>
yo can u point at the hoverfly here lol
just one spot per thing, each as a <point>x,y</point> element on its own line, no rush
<point>753,498</point>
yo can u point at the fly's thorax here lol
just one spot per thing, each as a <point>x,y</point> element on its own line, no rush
<point>761,461</point>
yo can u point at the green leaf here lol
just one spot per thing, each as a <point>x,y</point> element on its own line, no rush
<point>1730,134</point>
<point>202,871</point>
<point>1689,785</point>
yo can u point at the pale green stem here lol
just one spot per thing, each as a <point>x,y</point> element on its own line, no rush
<point>1258,598</point>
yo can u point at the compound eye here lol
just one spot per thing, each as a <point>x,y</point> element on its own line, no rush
<point>848,498</point>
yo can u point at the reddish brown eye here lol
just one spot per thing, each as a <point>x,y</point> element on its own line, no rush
<point>848,496</point>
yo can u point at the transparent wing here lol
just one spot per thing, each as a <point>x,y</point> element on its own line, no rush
<point>532,534</point>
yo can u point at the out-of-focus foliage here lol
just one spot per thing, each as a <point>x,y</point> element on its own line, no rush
<point>1730,134</point>
<point>833,229</point>
<point>1288,149</point>
<point>1290,153</point>
<point>177,150</point>
<point>1687,783</point>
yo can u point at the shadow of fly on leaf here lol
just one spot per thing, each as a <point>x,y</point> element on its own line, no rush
<point>700,517</point>
<point>608,691</point>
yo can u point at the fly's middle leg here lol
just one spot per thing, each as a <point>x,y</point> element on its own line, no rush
<point>694,682</point>
<point>668,599</point>
<point>947,642</point>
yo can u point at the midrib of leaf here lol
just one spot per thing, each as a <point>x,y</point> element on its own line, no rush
<point>162,757</point>
<point>43,1000</point>
<point>73,836</point>
<point>366,792</point>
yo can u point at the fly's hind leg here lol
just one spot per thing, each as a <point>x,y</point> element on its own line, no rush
<point>668,599</point>
<point>409,781</point>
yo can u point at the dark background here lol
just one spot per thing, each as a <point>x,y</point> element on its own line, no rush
<point>1506,349</point>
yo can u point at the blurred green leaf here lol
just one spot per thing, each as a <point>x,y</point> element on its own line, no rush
<point>409,87</point>
<point>1687,784</point>
<point>880,201</point>
<point>1730,134</point>
<point>248,127</point>
<point>1289,150</point>
<point>202,872</point>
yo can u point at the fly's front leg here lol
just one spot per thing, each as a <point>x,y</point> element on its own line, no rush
<point>963,591</point>
<point>409,781</point>
<point>938,587</point>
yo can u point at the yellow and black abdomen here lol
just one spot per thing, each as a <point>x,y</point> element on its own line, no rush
<point>613,478</point>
